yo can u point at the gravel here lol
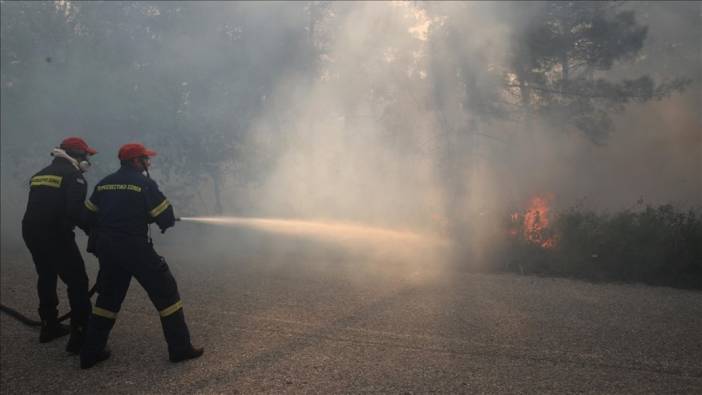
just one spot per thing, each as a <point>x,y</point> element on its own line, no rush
<point>286,321</point>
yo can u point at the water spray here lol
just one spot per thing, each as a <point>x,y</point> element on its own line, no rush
<point>320,229</point>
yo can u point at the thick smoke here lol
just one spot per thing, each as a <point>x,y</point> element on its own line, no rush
<point>339,111</point>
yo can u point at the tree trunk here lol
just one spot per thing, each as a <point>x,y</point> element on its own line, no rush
<point>566,72</point>
<point>216,190</point>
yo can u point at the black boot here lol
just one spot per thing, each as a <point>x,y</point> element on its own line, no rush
<point>51,330</point>
<point>184,355</point>
<point>88,361</point>
<point>94,347</point>
<point>75,342</point>
<point>178,338</point>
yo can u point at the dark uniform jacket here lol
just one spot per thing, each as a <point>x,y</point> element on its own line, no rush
<point>125,202</point>
<point>56,198</point>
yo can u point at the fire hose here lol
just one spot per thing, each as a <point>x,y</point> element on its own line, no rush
<point>30,322</point>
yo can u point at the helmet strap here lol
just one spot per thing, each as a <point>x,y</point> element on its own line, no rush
<point>143,165</point>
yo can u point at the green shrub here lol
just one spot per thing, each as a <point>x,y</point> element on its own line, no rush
<point>661,246</point>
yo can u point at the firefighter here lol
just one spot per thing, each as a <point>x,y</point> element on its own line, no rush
<point>121,208</point>
<point>56,198</point>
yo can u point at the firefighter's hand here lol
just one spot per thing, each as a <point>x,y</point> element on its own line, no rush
<point>166,221</point>
<point>165,228</point>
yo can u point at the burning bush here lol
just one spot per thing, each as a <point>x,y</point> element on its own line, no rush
<point>660,245</point>
<point>534,224</point>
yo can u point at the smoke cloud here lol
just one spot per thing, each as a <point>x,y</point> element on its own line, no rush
<point>341,111</point>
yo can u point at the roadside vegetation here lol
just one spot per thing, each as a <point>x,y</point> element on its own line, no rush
<point>653,245</point>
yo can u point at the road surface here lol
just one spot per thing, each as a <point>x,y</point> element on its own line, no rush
<point>285,320</point>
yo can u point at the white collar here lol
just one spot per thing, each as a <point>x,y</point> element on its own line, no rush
<point>62,154</point>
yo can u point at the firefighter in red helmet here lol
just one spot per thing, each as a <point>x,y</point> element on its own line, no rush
<point>119,212</point>
<point>56,198</point>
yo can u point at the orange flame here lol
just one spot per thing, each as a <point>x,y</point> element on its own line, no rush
<point>536,221</point>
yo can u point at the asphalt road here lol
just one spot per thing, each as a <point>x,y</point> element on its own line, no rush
<point>282,320</point>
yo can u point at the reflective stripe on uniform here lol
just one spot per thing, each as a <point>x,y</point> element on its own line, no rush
<point>160,208</point>
<point>49,181</point>
<point>171,309</point>
<point>104,313</point>
<point>90,206</point>
<point>119,187</point>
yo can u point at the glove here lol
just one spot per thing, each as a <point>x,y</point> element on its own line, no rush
<point>165,227</point>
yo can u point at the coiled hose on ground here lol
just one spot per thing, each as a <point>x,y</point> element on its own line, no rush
<point>30,322</point>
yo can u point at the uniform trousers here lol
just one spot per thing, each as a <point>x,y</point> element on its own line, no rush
<point>121,258</point>
<point>56,255</point>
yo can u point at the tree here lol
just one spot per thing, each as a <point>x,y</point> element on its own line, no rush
<point>560,59</point>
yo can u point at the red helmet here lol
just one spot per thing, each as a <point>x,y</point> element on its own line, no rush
<point>134,150</point>
<point>77,144</point>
